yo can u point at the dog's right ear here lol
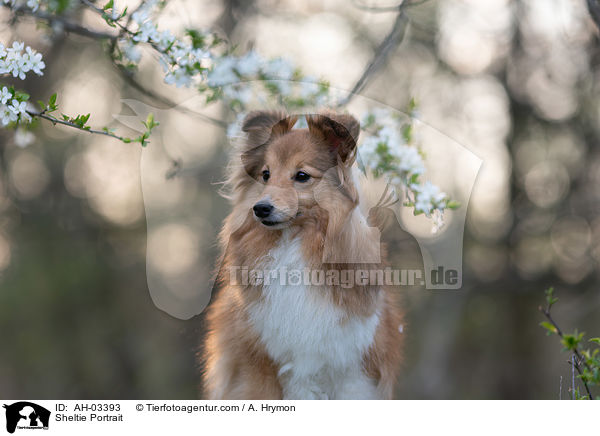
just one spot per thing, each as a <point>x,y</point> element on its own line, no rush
<point>338,131</point>
<point>262,126</point>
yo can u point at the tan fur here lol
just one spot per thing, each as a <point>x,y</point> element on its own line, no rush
<point>237,365</point>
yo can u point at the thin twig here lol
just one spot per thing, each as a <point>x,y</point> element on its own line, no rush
<point>579,359</point>
<point>55,121</point>
<point>560,389</point>
<point>573,375</point>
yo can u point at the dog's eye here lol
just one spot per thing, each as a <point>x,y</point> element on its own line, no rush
<point>301,177</point>
<point>266,174</point>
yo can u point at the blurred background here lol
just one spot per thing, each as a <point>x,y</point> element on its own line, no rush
<point>515,82</point>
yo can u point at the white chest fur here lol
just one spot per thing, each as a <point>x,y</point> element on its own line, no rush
<point>318,348</point>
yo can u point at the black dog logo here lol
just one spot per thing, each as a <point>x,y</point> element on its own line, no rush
<point>26,415</point>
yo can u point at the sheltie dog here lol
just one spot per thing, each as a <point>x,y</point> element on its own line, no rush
<point>295,208</point>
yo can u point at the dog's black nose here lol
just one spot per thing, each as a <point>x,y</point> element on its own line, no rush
<point>262,210</point>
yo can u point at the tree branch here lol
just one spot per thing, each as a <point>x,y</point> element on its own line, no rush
<point>594,9</point>
<point>161,99</point>
<point>67,25</point>
<point>392,8</point>
<point>394,37</point>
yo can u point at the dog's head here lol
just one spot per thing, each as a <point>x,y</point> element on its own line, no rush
<point>299,172</point>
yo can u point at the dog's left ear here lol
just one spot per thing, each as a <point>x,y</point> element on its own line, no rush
<point>339,131</point>
<point>263,126</point>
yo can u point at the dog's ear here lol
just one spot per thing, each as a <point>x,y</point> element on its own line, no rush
<point>338,131</point>
<point>263,126</point>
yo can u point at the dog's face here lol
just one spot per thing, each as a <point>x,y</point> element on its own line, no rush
<point>299,169</point>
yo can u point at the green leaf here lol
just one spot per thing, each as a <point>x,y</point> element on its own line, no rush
<point>198,39</point>
<point>550,299</point>
<point>412,105</point>
<point>571,342</point>
<point>150,120</point>
<point>52,100</point>
<point>407,133</point>
<point>453,204</point>
<point>549,327</point>
<point>108,5</point>
<point>595,340</point>
<point>109,20</point>
<point>21,96</point>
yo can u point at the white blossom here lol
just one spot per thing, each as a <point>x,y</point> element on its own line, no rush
<point>409,159</point>
<point>146,33</point>
<point>240,92</point>
<point>235,128</point>
<point>428,197</point>
<point>438,220</point>
<point>384,116</point>
<point>368,151</point>
<point>7,116</point>
<point>164,40</point>
<point>23,138</point>
<point>32,61</point>
<point>19,108</point>
<point>140,16</point>
<point>283,87</point>
<point>222,72</point>
<point>14,61</point>
<point>199,54</point>
<point>249,65</point>
<point>279,68</point>
<point>179,77</point>
<point>131,51</point>
<point>386,152</point>
<point>5,95</point>
<point>309,87</point>
<point>31,4</point>
<point>179,58</point>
